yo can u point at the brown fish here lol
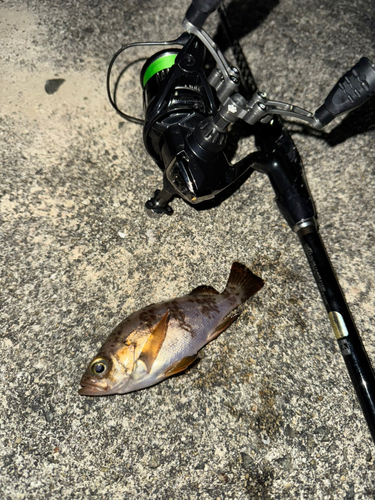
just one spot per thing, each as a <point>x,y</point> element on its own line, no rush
<point>163,339</point>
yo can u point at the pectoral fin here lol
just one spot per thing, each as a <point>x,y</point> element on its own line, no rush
<point>154,342</point>
<point>223,325</point>
<point>180,365</point>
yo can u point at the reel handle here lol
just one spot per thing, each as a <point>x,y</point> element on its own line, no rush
<point>350,92</point>
<point>199,10</point>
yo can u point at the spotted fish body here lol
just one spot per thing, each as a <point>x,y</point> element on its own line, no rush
<point>163,339</point>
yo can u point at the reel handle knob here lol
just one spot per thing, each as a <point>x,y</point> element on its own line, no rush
<point>350,92</point>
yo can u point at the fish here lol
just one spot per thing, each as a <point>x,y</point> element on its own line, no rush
<point>163,339</point>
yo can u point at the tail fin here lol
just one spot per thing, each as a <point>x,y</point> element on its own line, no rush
<point>242,282</point>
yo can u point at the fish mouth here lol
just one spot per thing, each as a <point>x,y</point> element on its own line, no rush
<point>92,390</point>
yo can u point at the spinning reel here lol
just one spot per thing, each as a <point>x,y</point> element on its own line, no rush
<point>188,115</point>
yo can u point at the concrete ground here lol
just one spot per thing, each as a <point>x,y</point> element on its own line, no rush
<point>269,411</point>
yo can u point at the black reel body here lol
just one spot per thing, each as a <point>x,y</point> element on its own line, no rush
<point>177,102</point>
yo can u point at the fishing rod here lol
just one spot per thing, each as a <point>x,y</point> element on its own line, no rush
<point>188,115</point>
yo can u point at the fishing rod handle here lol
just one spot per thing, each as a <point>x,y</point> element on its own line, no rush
<point>345,330</point>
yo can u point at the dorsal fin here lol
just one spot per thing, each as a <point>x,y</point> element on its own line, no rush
<point>204,290</point>
<point>154,342</point>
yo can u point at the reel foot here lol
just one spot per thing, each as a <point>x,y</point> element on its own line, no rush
<point>158,205</point>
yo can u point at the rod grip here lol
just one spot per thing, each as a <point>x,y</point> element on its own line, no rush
<point>352,349</point>
<point>350,92</point>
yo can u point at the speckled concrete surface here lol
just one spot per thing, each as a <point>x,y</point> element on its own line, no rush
<point>268,412</point>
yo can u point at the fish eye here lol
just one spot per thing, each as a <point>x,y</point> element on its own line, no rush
<point>98,366</point>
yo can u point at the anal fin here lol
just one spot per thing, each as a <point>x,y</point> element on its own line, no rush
<point>180,365</point>
<point>223,326</point>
